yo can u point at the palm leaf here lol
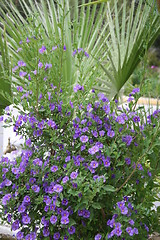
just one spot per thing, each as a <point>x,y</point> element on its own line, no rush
<point>5,83</point>
<point>129,40</point>
<point>50,17</point>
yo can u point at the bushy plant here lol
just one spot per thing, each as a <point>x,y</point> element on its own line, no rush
<point>88,166</point>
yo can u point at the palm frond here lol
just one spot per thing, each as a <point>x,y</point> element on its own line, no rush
<point>131,34</point>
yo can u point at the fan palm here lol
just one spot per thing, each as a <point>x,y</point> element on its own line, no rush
<point>116,39</point>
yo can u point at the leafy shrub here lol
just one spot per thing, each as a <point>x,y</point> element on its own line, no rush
<point>88,166</point>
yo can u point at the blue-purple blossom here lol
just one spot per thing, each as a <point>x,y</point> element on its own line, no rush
<point>53,219</point>
<point>127,139</point>
<point>47,66</point>
<point>22,74</point>
<point>21,208</point>
<point>130,231</point>
<point>110,133</point>
<point>65,179</point>
<point>77,88</point>
<point>15,225</point>
<point>42,49</point>
<point>71,230</point>
<point>54,48</point>
<point>58,188</point>
<point>21,64</point>
<point>106,162</point>
<point>19,88</point>
<point>20,235</point>
<point>94,164</point>
<point>26,219</point>
<point>93,150</point>
<point>139,166</point>
<point>128,161</point>
<point>84,139</point>
<point>35,188</point>
<point>54,168</point>
<point>26,199</point>
<point>64,220</point>
<point>74,175</point>
<point>98,237</point>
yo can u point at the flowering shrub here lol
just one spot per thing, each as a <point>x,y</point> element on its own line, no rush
<point>88,166</point>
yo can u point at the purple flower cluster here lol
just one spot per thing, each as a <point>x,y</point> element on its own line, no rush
<point>72,162</point>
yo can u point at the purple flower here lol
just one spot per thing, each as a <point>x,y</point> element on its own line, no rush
<point>98,237</point>
<point>51,123</point>
<point>26,199</point>
<point>38,162</point>
<point>86,213</point>
<point>84,139</point>
<point>71,230</point>
<point>95,134</point>
<point>136,119</point>
<point>15,225</point>
<point>129,230</point>
<point>65,202</point>
<point>65,179</point>
<point>106,162</point>
<point>54,48</point>
<point>128,161</point>
<point>149,173</point>
<point>26,219</point>
<point>124,210</point>
<point>139,166</point>
<point>121,204</point>
<point>120,120</point>
<point>35,72</point>
<point>101,133</point>
<point>93,150</point>
<point>135,90</point>
<point>27,40</point>
<point>22,74</point>
<point>53,219</point>
<point>94,164</point>
<point>106,108</point>
<point>64,220</point>
<point>110,133</point>
<point>28,142</point>
<point>21,64</point>
<point>21,208</point>
<point>42,49</point>
<point>19,88</point>
<point>14,69</point>
<point>127,139</point>
<point>46,232</point>
<point>131,222</point>
<point>8,182</point>
<point>118,231</point>
<point>56,236</point>
<point>48,65</point>
<point>20,235</point>
<point>15,170</point>
<point>135,231</point>
<point>77,88</point>
<point>74,52</point>
<point>58,188</point>
<point>54,168</point>
<point>36,188</point>
<point>64,48</point>
<point>86,54</point>
<point>74,175</point>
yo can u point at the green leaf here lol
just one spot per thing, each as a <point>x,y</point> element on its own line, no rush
<point>96,205</point>
<point>109,188</point>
